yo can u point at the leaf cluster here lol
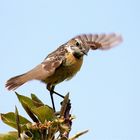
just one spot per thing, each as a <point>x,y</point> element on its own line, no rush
<point>45,125</point>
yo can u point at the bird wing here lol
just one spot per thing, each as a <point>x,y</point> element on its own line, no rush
<point>54,60</point>
<point>100,41</point>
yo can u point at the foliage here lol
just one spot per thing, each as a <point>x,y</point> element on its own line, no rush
<point>45,125</point>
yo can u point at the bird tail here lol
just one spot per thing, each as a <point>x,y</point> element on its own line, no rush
<point>15,82</point>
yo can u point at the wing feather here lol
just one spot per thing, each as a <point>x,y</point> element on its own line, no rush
<point>100,41</point>
<point>54,60</point>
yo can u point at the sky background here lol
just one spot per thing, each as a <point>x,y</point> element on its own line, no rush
<point>105,94</point>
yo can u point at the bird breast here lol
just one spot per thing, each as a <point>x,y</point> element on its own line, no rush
<point>66,71</point>
<point>72,65</point>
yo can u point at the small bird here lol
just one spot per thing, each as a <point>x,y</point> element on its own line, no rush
<point>63,63</point>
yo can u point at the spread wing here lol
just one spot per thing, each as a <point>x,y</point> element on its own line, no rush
<point>100,41</point>
<point>54,60</point>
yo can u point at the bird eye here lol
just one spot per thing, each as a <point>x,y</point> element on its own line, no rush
<point>77,43</point>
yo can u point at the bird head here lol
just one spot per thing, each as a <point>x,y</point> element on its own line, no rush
<point>77,48</point>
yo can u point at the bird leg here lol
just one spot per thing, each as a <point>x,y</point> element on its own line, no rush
<point>58,94</point>
<point>51,89</point>
<point>51,94</point>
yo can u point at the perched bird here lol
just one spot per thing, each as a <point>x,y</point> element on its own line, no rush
<point>63,63</point>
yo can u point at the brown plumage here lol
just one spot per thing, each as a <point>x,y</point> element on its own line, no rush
<point>62,64</point>
<point>66,61</point>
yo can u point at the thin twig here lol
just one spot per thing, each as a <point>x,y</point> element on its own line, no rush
<point>78,135</point>
<point>64,105</point>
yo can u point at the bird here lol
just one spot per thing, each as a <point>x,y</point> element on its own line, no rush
<point>63,63</point>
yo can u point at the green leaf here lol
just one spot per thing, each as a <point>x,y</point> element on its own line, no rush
<point>27,104</point>
<point>25,100</point>
<point>35,107</point>
<point>29,112</point>
<point>44,113</point>
<point>17,121</point>
<point>9,136</point>
<point>10,119</point>
<point>37,102</point>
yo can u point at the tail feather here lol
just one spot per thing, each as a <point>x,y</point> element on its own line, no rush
<point>15,82</point>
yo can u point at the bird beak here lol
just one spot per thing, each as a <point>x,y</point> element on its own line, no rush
<point>85,52</point>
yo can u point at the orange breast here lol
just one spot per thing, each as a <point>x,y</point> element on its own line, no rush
<point>72,65</point>
<point>66,71</point>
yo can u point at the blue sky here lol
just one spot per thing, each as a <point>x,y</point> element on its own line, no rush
<point>105,94</point>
